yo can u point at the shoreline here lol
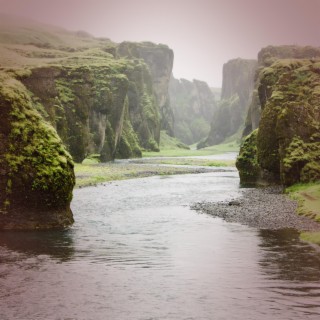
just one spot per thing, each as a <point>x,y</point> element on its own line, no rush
<point>94,174</point>
<point>262,208</point>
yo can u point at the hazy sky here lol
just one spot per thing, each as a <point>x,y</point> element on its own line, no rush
<point>204,34</point>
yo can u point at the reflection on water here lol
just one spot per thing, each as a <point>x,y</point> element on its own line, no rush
<point>56,244</point>
<point>138,252</point>
<point>285,257</point>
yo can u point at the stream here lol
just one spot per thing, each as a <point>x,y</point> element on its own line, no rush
<point>137,251</point>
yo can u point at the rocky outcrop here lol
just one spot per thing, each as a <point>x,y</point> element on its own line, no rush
<point>103,106</point>
<point>100,104</point>
<point>36,172</point>
<point>266,57</point>
<point>237,87</point>
<point>94,107</point>
<point>101,97</point>
<point>159,59</point>
<point>193,105</point>
<point>286,149</point>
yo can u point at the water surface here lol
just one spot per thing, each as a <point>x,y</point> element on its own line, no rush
<point>137,251</point>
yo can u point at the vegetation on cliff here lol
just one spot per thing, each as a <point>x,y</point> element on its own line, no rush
<point>102,105</point>
<point>101,97</point>
<point>266,57</point>
<point>37,175</point>
<point>288,140</point>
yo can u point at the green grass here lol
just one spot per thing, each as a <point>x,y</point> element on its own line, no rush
<point>89,175</point>
<point>312,237</point>
<point>308,198</point>
<point>217,149</point>
<point>193,162</point>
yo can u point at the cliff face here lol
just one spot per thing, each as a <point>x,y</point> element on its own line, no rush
<point>93,107</point>
<point>286,147</point>
<point>36,172</point>
<point>237,87</point>
<point>266,57</point>
<point>159,59</point>
<point>99,104</point>
<point>96,100</point>
<point>193,105</point>
<point>101,97</point>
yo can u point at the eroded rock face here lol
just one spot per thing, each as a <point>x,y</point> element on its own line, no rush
<point>107,109</point>
<point>288,139</point>
<point>266,57</point>
<point>193,105</point>
<point>237,88</point>
<point>159,59</point>
<point>84,104</point>
<point>36,175</point>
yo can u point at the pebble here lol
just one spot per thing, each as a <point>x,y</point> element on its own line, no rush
<point>262,208</point>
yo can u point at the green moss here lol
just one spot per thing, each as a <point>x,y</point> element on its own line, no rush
<point>34,149</point>
<point>247,161</point>
<point>288,143</point>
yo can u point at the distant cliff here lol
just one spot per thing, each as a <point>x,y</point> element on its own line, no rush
<point>159,59</point>
<point>193,105</point>
<point>286,146</point>
<point>266,57</point>
<point>237,87</point>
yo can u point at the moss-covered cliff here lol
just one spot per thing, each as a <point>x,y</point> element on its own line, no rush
<point>266,57</point>
<point>36,172</point>
<point>193,105</point>
<point>288,138</point>
<point>100,96</point>
<point>237,87</point>
<point>98,101</point>
<point>159,59</point>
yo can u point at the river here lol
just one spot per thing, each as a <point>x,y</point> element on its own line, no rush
<point>137,251</point>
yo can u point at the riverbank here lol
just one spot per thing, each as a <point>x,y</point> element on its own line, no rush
<point>262,208</point>
<point>92,174</point>
<point>308,200</point>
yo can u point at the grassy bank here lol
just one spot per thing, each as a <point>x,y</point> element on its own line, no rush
<point>308,198</point>
<point>188,162</point>
<point>92,174</point>
<point>180,152</point>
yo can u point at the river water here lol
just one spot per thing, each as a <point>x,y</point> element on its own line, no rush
<point>137,251</point>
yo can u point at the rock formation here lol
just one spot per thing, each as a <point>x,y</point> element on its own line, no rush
<point>237,87</point>
<point>159,59</point>
<point>286,147</point>
<point>36,175</point>
<point>266,57</point>
<point>193,105</point>
<point>100,101</point>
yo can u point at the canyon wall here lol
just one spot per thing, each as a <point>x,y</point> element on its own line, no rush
<point>266,57</point>
<point>285,148</point>
<point>237,87</point>
<point>193,105</point>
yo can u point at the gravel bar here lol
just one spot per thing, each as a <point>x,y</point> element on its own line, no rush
<point>262,208</point>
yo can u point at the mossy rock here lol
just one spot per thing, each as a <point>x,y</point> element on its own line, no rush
<point>247,161</point>
<point>37,176</point>
<point>288,142</point>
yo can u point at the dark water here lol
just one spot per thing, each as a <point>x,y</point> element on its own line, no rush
<point>138,252</point>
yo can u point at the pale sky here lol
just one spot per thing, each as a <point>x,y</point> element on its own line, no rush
<point>203,34</point>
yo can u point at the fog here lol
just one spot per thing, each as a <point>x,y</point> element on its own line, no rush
<point>204,34</point>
